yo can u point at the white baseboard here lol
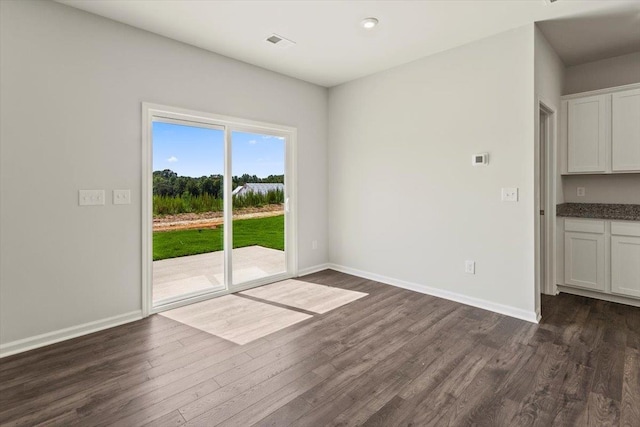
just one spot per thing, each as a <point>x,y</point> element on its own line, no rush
<point>53,337</point>
<point>529,316</point>
<point>599,295</point>
<point>313,269</point>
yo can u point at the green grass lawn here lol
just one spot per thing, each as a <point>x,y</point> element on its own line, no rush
<point>266,232</point>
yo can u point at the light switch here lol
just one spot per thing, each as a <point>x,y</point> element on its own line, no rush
<point>121,197</point>
<point>90,197</point>
<point>509,194</point>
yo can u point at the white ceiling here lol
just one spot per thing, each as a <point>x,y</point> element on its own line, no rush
<point>331,48</point>
<point>594,36</point>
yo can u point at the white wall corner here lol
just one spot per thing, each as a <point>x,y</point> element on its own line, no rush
<point>518,313</point>
<point>313,269</point>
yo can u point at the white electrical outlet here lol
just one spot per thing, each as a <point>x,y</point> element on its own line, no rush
<point>314,244</point>
<point>470,267</point>
<point>90,197</point>
<point>121,197</point>
<point>510,194</point>
<point>580,191</point>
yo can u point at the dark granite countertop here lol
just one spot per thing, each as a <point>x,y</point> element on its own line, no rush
<point>599,211</point>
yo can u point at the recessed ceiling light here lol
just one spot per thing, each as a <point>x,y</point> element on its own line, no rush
<point>369,23</point>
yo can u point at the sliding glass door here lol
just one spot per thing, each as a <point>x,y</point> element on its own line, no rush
<point>217,207</point>
<point>188,210</point>
<point>259,201</point>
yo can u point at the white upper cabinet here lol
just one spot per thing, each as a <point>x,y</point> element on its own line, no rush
<point>625,131</point>
<point>600,131</point>
<point>589,134</point>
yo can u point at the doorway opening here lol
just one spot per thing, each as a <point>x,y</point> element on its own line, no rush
<point>545,203</point>
<point>218,206</point>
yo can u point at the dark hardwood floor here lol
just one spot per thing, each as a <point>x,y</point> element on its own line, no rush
<point>393,358</point>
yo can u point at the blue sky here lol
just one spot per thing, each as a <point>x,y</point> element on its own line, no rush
<point>194,151</point>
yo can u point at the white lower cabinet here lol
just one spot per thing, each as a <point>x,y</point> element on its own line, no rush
<point>625,259</point>
<point>602,256</point>
<point>584,249</point>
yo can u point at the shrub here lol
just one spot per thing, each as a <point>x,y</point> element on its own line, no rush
<point>188,203</point>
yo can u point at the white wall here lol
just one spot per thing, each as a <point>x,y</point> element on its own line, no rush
<point>549,80</point>
<point>619,188</point>
<point>72,85</point>
<point>617,71</point>
<point>405,202</point>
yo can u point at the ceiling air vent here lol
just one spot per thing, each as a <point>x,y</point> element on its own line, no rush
<point>279,41</point>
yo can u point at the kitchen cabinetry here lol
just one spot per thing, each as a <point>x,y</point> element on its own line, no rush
<point>589,136</point>
<point>584,254</point>
<point>600,131</point>
<point>602,256</point>
<point>625,259</point>
<point>625,131</point>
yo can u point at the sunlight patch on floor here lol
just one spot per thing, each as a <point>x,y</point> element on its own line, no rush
<point>236,319</point>
<point>304,295</point>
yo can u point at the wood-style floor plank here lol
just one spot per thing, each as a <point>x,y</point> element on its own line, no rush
<point>629,407</point>
<point>394,357</point>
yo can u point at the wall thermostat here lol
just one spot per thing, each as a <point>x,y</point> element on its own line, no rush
<point>480,159</point>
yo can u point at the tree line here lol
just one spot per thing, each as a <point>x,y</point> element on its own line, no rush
<point>167,183</point>
<point>173,194</point>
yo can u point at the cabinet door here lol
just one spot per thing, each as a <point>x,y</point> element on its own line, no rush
<point>625,265</point>
<point>625,134</point>
<point>584,260</point>
<point>589,134</point>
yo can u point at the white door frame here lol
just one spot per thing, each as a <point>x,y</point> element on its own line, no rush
<point>152,111</point>
<point>546,284</point>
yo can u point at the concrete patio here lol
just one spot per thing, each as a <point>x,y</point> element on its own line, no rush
<point>177,276</point>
